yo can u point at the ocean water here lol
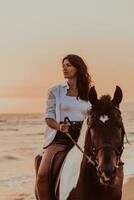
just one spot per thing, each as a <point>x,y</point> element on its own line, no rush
<point>128,154</point>
<point>21,137</point>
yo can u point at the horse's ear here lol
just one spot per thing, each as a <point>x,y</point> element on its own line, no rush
<point>92,96</point>
<point>117,96</point>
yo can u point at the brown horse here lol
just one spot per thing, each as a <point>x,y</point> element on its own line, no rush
<point>102,138</point>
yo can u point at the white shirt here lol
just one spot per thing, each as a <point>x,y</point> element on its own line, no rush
<point>56,95</point>
<point>73,108</point>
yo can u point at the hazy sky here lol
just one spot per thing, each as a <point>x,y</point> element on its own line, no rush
<point>36,34</point>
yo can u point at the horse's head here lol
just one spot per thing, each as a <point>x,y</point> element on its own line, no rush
<point>104,141</point>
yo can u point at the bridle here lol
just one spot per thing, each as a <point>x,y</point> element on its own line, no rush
<point>93,151</point>
<point>91,158</point>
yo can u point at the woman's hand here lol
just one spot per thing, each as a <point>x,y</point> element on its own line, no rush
<point>64,127</point>
<point>59,127</point>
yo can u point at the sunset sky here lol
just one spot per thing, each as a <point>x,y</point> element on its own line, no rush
<point>36,35</point>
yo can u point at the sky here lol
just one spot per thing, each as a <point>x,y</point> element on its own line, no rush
<point>36,35</point>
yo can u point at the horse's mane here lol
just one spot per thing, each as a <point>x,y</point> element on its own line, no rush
<point>105,99</point>
<point>103,106</point>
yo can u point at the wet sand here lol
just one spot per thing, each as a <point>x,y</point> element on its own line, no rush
<point>128,190</point>
<point>21,138</point>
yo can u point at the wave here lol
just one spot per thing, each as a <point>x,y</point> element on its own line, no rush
<point>131,133</point>
<point>34,134</point>
<point>2,120</point>
<point>9,157</point>
<point>9,129</point>
<point>41,133</point>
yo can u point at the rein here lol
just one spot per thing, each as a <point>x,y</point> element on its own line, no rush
<point>89,159</point>
<point>66,120</point>
<point>78,146</point>
<point>94,150</point>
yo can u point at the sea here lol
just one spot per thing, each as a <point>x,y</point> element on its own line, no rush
<point>21,138</point>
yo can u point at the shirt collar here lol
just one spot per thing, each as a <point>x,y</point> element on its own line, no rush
<point>65,84</point>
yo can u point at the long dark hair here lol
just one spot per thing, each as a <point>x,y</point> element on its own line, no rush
<point>83,78</point>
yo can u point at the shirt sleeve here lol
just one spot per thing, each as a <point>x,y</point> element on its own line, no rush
<point>51,106</point>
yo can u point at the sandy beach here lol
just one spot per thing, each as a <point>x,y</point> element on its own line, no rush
<point>21,185</point>
<point>128,190</point>
<point>21,138</point>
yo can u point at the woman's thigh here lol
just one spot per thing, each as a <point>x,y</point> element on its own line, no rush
<point>47,156</point>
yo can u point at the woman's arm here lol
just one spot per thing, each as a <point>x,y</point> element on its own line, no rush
<point>59,127</point>
<point>52,123</point>
<point>50,114</point>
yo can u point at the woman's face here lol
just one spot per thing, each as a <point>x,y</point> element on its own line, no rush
<point>69,70</point>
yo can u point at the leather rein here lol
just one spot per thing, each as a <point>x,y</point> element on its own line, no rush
<point>89,160</point>
<point>94,151</point>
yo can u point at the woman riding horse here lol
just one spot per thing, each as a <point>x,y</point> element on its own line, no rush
<point>71,100</point>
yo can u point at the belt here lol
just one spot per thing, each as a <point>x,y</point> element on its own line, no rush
<point>75,125</point>
<point>73,122</point>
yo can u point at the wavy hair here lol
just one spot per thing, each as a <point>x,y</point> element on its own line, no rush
<point>83,83</point>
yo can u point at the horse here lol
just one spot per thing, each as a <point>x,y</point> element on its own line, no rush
<point>97,173</point>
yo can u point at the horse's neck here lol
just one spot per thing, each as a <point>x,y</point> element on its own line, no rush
<point>87,177</point>
<point>81,142</point>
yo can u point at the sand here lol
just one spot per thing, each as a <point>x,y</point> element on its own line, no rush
<point>24,194</point>
<point>18,181</point>
<point>128,190</point>
<point>20,140</point>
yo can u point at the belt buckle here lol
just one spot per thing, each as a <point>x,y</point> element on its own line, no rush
<point>74,123</point>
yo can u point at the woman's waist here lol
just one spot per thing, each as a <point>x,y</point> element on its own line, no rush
<point>74,125</point>
<point>73,116</point>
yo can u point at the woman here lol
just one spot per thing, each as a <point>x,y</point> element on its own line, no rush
<point>66,100</point>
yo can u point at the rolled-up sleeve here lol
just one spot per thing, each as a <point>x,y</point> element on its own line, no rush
<point>51,106</point>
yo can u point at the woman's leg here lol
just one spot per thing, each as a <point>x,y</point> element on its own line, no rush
<point>42,183</point>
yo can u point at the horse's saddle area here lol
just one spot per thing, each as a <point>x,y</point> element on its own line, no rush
<point>54,170</point>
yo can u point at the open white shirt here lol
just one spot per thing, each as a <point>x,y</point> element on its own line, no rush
<point>57,104</point>
<point>73,108</point>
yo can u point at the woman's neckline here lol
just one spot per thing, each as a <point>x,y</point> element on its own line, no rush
<point>72,96</point>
